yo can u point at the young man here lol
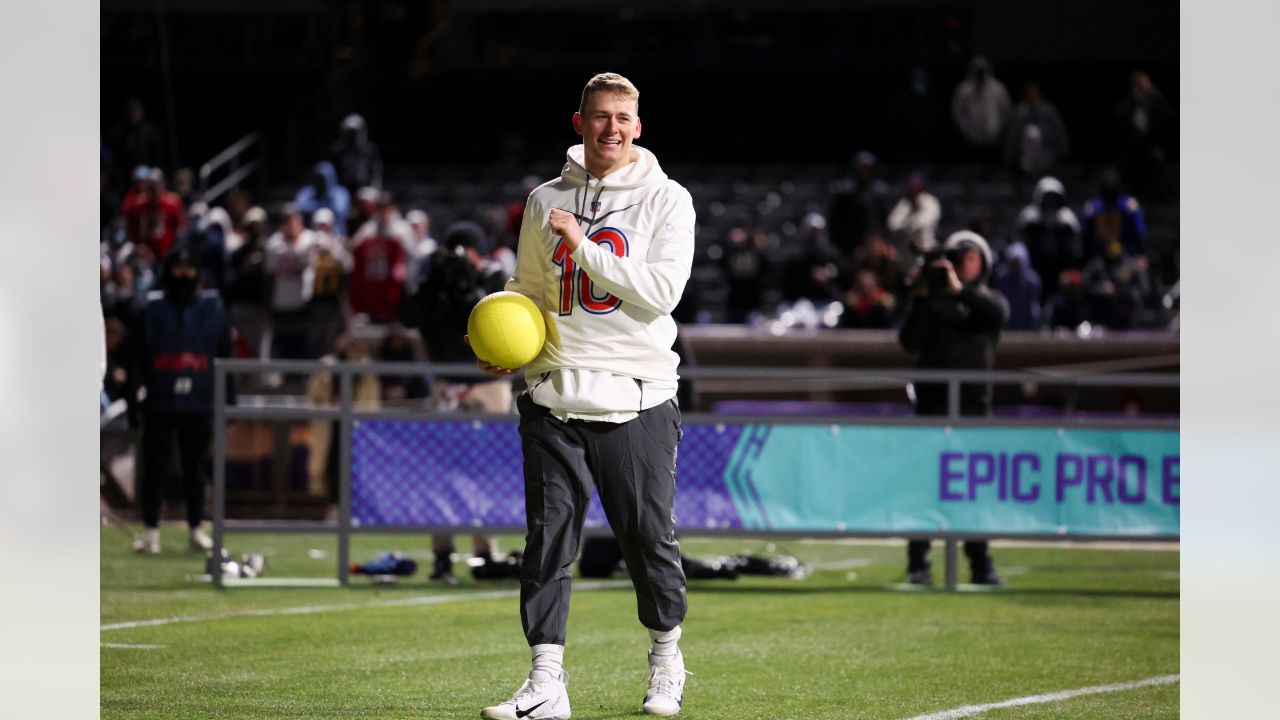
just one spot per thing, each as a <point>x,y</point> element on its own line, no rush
<point>605,251</point>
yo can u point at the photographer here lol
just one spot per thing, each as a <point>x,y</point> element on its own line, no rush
<point>953,321</point>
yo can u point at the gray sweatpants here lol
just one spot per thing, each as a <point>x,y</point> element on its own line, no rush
<point>633,465</point>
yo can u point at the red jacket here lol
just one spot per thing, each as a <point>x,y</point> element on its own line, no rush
<point>152,220</point>
<point>377,277</point>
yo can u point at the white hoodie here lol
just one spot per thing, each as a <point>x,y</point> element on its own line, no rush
<point>608,304</point>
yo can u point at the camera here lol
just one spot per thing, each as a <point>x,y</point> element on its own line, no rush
<point>935,278</point>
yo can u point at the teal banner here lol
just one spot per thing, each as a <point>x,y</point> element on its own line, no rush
<point>850,478</point>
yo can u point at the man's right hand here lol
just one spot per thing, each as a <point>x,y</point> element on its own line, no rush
<point>954,286</point>
<point>488,369</point>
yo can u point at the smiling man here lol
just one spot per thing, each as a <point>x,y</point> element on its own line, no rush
<point>605,251</point>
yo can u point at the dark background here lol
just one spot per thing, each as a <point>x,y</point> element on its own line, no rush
<point>493,83</point>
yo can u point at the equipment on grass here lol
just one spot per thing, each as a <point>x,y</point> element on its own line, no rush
<point>250,565</point>
<point>390,563</point>
<point>506,329</point>
<point>488,567</point>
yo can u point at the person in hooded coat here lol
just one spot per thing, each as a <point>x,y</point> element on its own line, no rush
<point>1051,233</point>
<point>324,191</point>
<point>953,321</point>
<point>183,330</point>
<point>1020,284</point>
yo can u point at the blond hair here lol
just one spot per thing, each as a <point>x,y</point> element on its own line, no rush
<point>612,83</point>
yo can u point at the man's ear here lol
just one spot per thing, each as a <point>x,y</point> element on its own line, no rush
<point>577,122</point>
<point>636,134</point>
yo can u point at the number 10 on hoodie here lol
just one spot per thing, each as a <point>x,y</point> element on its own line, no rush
<point>571,275</point>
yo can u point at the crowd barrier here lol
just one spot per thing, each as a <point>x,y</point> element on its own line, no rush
<point>948,477</point>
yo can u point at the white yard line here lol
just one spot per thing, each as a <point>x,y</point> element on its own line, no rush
<point>970,710</point>
<point>1154,545</point>
<point>842,564</point>
<point>316,609</point>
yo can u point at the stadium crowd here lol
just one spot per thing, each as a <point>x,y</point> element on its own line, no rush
<point>294,276</point>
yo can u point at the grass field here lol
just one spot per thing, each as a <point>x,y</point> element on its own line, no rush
<point>844,643</point>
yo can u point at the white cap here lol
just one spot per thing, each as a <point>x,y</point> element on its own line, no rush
<point>323,216</point>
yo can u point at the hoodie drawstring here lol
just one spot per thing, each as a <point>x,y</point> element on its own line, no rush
<point>595,204</point>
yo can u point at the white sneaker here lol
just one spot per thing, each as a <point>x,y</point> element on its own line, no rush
<point>148,542</point>
<point>199,540</point>
<point>666,685</point>
<point>534,700</point>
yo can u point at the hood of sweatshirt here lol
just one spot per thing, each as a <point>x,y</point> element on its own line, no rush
<point>1045,186</point>
<point>968,238</point>
<point>644,170</point>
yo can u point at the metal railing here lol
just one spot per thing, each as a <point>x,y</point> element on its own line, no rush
<point>346,414</point>
<point>238,168</point>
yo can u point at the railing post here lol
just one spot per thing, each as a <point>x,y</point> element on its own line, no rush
<point>344,475</point>
<point>953,398</point>
<point>951,564</point>
<point>219,467</point>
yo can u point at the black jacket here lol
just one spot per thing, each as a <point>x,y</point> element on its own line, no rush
<point>955,332</point>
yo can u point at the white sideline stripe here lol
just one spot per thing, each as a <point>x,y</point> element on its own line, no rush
<point>132,646</point>
<point>969,710</point>
<point>842,564</point>
<point>316,609</point>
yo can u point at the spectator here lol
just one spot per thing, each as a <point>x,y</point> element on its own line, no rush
<point>219,229</point>
<point>206,239</point>
<point>980,107</point>
<point>1116,284</point>
<point>867,305</point>
<point>745,267</point>
<point>379,265</point>
<point>325,192</point>
<point>1037,137</point>
<point>914,220</point>
<point>811,271</point>
<point>184,186</point>
<point>249,285</point>
<point>881,258</point>
<point>399,388</point>
<point>1050,232</point>
<point>457,277</point>
<point>137,141</point>
<point>1146,131</point>
<point>153,215</point>
<point>421,245</point>
<point>515,210</point>
<point>1019,283</point>
<point>953,321</point>
<point>1067,307</point>
<point>355,156</point>
<point>123,297</point>
<point>325,284</point>
<point>323,391</point>
<point>184,329</point>
<point>385,220</point>
<point>1113,216</point>
<point>364,207</point>
<point>289,255</point>
<point>860,207</point>
<point>238,206</point>
<point>119,382</point>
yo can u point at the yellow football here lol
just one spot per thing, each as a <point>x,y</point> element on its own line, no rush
<point>506,329</point>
